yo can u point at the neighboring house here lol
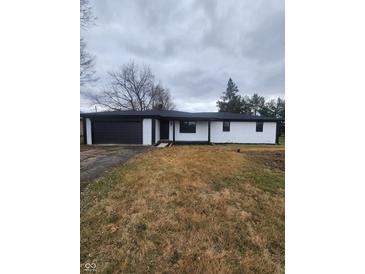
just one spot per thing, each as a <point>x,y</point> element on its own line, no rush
<point>152,126</point>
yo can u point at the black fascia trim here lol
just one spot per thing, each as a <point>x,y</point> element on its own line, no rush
<point>116,118</point>
<point>245,120</point>
<point>122,117</point>
<point>96,116</point>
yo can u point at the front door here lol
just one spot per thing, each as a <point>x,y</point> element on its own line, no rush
<point>164,130</point>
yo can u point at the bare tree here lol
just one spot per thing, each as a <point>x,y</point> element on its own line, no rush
<point>87,17</point>
<point>87,61</point>
<point>162,98</point>
<point>131,88</point>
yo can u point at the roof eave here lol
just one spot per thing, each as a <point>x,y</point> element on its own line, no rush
<point>123,116</point>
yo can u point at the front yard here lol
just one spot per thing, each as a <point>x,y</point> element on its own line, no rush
<point>188,209</point>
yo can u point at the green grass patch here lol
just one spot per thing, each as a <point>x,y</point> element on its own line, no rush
<point>281,140</point>
<point>271,181</point>
<point>267,180</point>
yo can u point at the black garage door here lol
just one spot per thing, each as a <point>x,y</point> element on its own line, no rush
<point>117,132</point>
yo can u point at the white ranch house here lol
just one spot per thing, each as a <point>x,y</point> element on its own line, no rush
<point>154,126</point>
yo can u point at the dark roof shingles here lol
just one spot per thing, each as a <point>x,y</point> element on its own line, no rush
<point>178,114</point>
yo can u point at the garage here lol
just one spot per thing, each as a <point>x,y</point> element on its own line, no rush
<point>117,132</point>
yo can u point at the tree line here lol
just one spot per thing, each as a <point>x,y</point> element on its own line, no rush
<point>132,87</point>
<point>232,101</point>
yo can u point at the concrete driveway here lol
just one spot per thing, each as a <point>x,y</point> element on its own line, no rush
<point>95,160</point>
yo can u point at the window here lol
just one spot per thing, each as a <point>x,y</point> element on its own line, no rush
<point>226,126</point>
<point>259,126</point>
<point>187,127</point>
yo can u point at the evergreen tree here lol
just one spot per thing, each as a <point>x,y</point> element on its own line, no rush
<point>281,114</point>
<point>245,105</point>
<point>230,100</point>
<point>257,104</point>
<point>280,107</point>
<point>275,108</point>
<point>269,109</point>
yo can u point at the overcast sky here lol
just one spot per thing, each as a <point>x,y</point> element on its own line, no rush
<point>193,47</point>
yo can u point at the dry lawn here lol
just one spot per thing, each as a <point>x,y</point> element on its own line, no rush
<point>188,209</point>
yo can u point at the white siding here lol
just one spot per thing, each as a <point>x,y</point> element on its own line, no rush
<point>243,132</point>
<point>147,131</point>
<point>171,130</point>
<point>157,130</point>
<point>201,133</point>
<point>89,140</point>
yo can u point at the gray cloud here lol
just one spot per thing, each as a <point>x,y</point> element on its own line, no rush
<point>193,47</point>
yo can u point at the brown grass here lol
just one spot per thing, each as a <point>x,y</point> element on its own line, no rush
<point>188,209</point>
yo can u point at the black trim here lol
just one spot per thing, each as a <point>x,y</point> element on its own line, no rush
<point>186,128</point>
<point>259,126</point>
<point>278,125</point>
<point>209,131</point>
<point>84,131</point>
<point>120,117</point>
<point>153,131</point>
<point>173,131</point>
<point>176,115</point>
<point>192,142</point>
<point>92,130</point>
<point>226,143</point>
<point>164,129</point>
<point>229,126</point>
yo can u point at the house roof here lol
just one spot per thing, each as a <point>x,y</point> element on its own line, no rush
<point>178,115</point>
